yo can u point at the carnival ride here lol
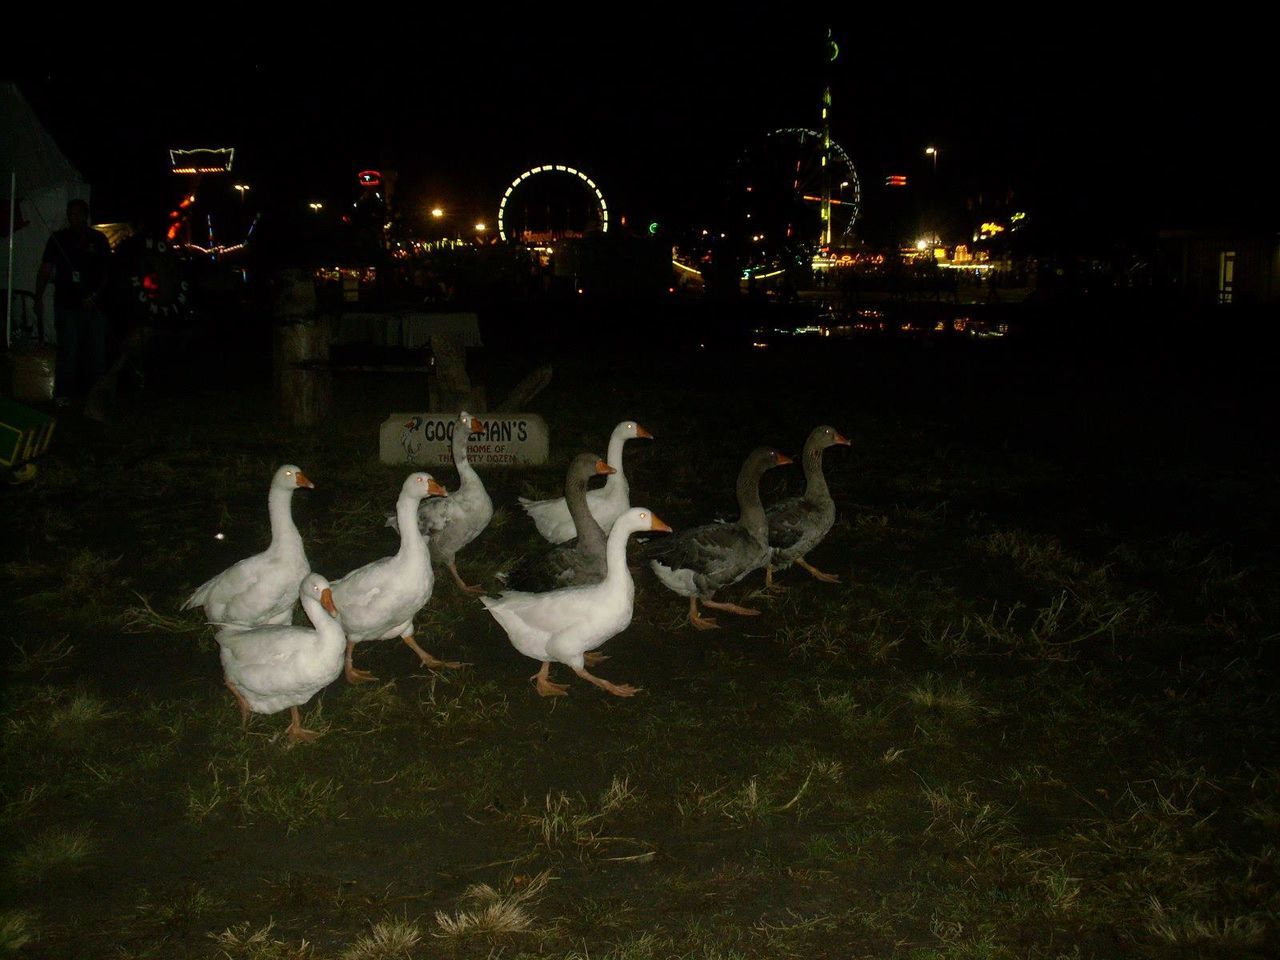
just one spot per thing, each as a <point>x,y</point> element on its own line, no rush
<point>507,230</point>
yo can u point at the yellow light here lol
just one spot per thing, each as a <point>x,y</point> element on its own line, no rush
<point>480,227</point>
<point>437,212</point>
<point>922,244</point>
<point>930,151</point>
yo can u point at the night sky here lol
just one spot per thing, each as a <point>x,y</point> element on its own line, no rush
<point>1090,123</point>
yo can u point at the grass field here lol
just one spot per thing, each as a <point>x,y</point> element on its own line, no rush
<point>1035,719</point>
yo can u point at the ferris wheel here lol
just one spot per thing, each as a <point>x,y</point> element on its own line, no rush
<point>783,177</point>
<point>600,208</point>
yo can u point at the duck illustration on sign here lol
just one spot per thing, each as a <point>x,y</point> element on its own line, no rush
<point>411,439</point>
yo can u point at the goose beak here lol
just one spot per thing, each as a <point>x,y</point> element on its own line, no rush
<point>843,440</point>
<point>603,469</point>
<point>302,481</point>
<point>476,425</point>
<point>408,424</point>
<point>435,490</point>
<point>781,460</point>
<point>642,433</point>
<point>656,524</point>
<point>326,601</point>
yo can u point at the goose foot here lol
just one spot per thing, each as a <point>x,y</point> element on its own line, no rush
<point>544,686</point>
<point>428,661</point>
<point>697,622</point>
<point>354,675</point>
<point>769,584</point>
<point>733,608</point>
<point>298,733</point>
<point>462,584</point>
<point>617,689</point>
<point>816,573</point>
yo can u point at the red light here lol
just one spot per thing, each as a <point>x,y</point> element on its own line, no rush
<point>895,180</point>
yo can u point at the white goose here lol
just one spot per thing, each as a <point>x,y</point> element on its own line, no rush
<point>607,503</point>
<point>272,667</point>
<point>452,522</point>
<point>262,588</point>
<point>565,625</point>
<point>379,600</point>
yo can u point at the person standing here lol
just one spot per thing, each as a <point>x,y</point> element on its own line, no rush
<point>78,261</point>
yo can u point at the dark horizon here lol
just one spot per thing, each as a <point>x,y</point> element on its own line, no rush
<point>1114,133</point>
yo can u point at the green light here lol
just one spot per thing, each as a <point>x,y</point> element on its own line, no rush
<point>653,227</point>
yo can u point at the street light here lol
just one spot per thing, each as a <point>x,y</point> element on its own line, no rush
<point>316,206</point>
<point>241,188</point>
<point>437,212</point>
<point>932,152</point>
<point>480,227</point>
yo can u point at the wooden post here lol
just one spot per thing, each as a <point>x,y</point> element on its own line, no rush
<point>450,388</point>
<point>304,384</point>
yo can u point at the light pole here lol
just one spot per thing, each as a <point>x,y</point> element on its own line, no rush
<point>932,152</point>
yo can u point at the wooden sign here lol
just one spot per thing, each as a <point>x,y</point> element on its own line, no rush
<point>508,440</point>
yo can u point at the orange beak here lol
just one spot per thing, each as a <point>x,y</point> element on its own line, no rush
<point>435,490</point>
<point>476,425</point>
<point>326,601</point>
<point>843,440</point>
<point>781,459</point>
<point>603,469</point>
<point>408,424</point>
<point>656,524</point>
<point>302,481</point>
<point>642,433</point>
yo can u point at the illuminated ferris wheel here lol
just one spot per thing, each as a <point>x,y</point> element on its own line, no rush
<point>595,199</point>
<point>783,180</point>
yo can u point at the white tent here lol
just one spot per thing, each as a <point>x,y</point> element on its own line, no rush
<point>41,181</point>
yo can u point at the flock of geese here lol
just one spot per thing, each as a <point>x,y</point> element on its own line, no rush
<point>559,605</point>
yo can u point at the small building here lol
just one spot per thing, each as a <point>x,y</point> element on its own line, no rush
<point>1229,266</point>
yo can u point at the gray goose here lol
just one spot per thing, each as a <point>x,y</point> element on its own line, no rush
<point>697,562</point>
<point>577,562</point>
<point>799,524</point>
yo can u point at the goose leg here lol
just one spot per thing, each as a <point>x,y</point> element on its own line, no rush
<point>354,675</point>
<point>297,733</point>
<point>817,574</point>
<point>593,658</point>
<point>700,623</point>
<point>462,584</point>
<point>768,579</point>
<point>617,689</point>
<point>732,608</point>
<point>244,704</point>
<point>427,659</point>
<point>544,685</point>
